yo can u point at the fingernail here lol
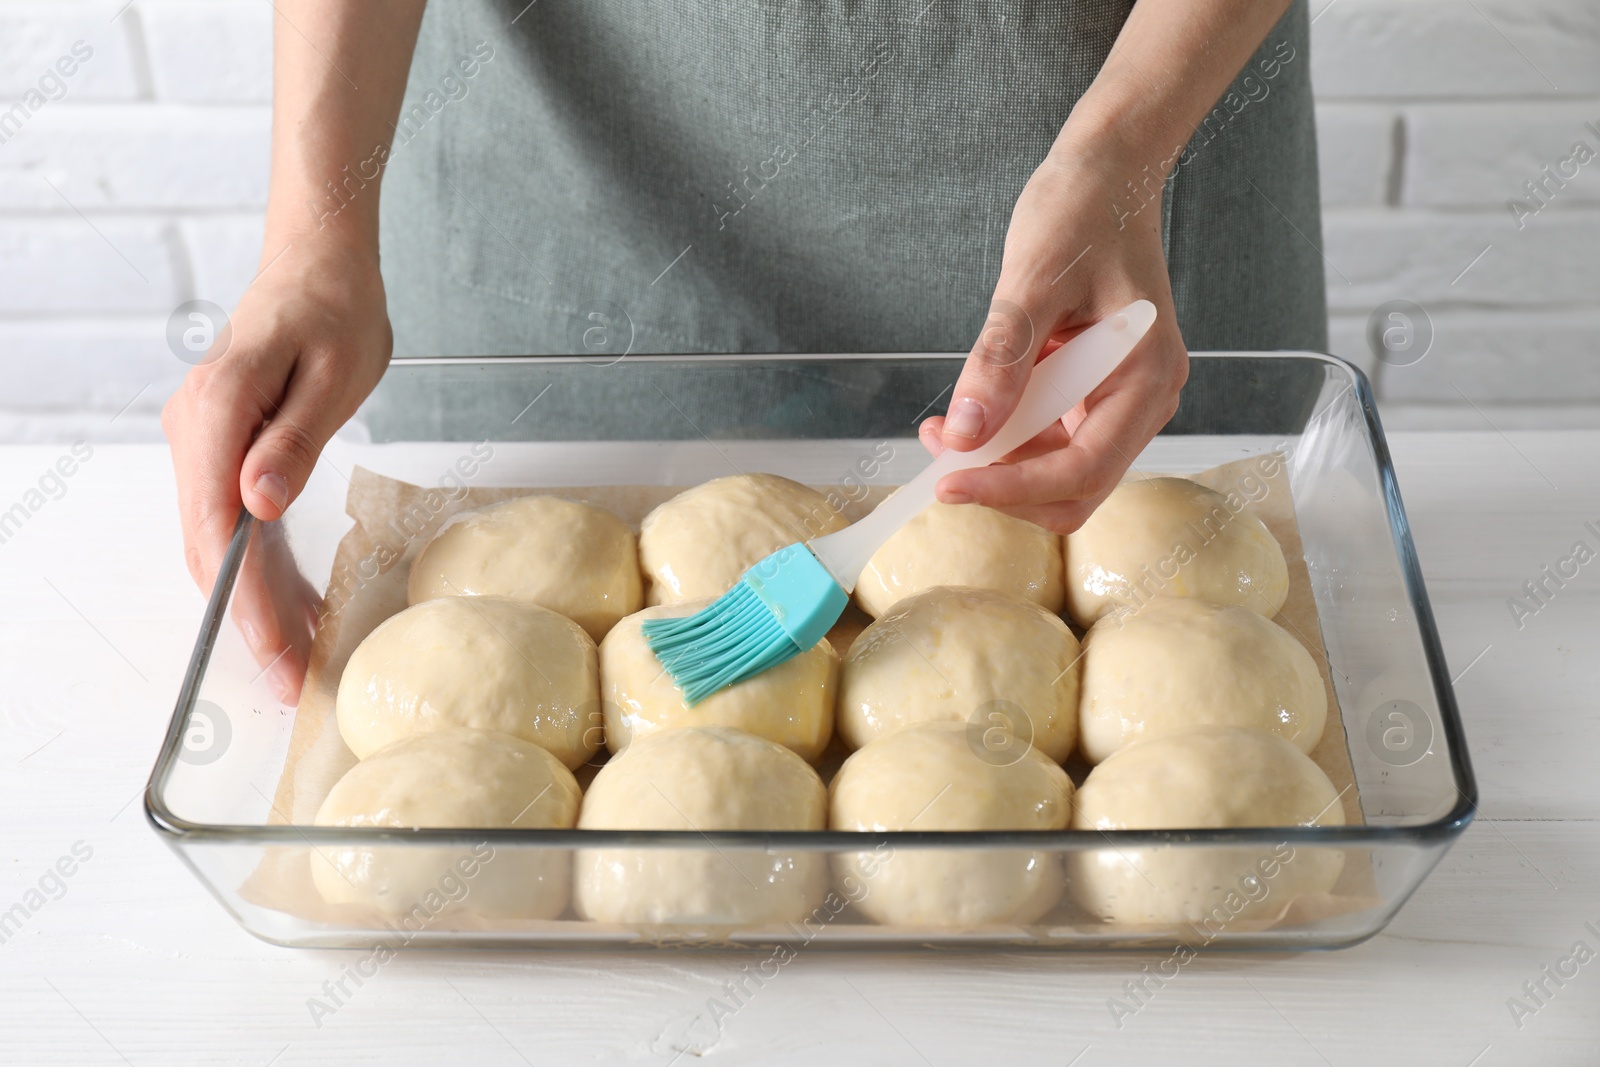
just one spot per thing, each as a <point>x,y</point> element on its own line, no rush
<point>252,636</point>
<point>283,679</point>
<point>965,418</point>
<point>274,488</point>
<point>955,497</point>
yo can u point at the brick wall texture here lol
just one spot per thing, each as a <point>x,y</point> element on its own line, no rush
<point>1460,149</point>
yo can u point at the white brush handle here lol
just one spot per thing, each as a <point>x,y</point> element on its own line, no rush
<point>1056,386</point>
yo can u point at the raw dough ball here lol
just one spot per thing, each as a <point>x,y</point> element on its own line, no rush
<point>1170,537</point>
<point>964,544</point>
<point>572,558</point>
<point>791,704</point>
<point>699,543</point>
<point>480,661</point>
<point>968,656</point>
<point>1173,664</point>
<point>461,779</point>
<point>930,777</point>
<point>1203,778</point>
<point>702,778</point>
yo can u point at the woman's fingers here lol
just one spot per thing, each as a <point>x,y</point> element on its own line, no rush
<point>274,605</point>
<point>259,621</point>
<point>930,433</point>
<point>208,423</point>
<point>1081,471</point>
<point>310,340</point>
<point>299,404</point>
<point>313,404</point>
<point>1055,436</point>
<point>1105,445</point>
<point>995,373</point>
<point>275,608</point>
<point>1102,437</point>
<point>1063,517</point>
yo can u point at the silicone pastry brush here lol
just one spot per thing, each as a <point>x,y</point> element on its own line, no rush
<point>787,602</point>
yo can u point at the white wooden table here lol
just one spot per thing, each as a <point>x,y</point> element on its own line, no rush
<point>128,960</point>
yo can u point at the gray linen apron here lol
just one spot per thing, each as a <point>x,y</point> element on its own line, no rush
<point>814,176</point>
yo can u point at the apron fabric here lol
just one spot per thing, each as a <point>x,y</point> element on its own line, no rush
<point>613,176</point>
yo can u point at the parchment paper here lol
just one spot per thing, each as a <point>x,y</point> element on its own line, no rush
<point>394,520</point>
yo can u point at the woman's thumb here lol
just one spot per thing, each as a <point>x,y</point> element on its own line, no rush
<point>280,461</point>
<point>995,374</point>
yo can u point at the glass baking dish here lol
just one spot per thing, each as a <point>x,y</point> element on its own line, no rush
<point>830,420</point>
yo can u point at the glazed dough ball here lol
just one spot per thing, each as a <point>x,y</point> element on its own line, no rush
<point>1170,537</point>
<point>964,544</point>
<point>702,778</point>
<point>1204,778</point>
<point>454,778</point>
<point>1173,664</point>
<point>791,704</point>
<point>966,656</point>
<point>699,543</point>
<point>479,661</point>
<point>930,777</point>
<point>572,558</point>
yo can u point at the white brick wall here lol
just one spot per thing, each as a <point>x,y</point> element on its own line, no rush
<point>140,187</point>
<point>1431,115</point>
<point>143,186</point>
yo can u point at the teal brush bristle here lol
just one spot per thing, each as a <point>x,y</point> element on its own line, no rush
<point>781,607</point>
<point>732,639</point>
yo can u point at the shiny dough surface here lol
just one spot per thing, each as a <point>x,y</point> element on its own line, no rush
<point>701,778</point>
<point>968,545</point>
<point>486,662</point>
<point>1178,663</point>
<point>932,776</point>
<point>963,655</point>
<point>791,704</point>
<point>1171,537</point>
<point>1203,778</point>
<point>699,543</point>
<point>456,778</point>
<point>572,558</point>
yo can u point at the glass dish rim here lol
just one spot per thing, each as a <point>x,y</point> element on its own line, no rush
<point>1440,830</point>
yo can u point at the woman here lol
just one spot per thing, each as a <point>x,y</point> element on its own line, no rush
<point>762,177</point>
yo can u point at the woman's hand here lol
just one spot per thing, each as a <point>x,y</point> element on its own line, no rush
<point>307,343</point>
<point>1085,240</point>
<point>1078,249</point>
<point>311,337</point>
